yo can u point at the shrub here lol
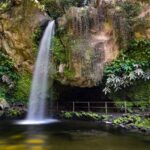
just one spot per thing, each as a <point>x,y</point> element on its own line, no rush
<point>131,9</point>
<point>4,5</point>
<point>128,119</point>
<point>57,8</point>
<point>132,65</point>
<point>8,75</point>
<point>23,88</point>
<point>86,116</point>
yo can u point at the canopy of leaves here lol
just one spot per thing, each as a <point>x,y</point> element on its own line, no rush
<point>56,8</point>
<point>132,65</point>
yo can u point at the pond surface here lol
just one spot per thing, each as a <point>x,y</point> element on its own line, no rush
<point>67,136</point>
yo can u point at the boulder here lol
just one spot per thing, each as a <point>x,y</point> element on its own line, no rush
<point>3,104</point>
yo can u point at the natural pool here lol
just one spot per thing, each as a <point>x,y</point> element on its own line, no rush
<point>67,136</point>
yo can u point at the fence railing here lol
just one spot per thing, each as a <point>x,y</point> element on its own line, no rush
<point>101,107</point>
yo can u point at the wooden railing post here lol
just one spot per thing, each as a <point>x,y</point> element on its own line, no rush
<point>125,107</point>
<point>57,106</point>
<point>88,106</point>
<point>106,108</point>
<point>73,109</point>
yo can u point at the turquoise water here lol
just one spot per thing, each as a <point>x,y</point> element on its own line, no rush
<point>67,136</point>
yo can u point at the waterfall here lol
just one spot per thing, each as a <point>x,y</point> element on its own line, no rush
<point>38,95</point>
<point>85,2</point>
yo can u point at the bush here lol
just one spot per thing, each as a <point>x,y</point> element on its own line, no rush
<point>57,8</point>
<point>23,88</point>
<point>4,5</point>
<point>139,50</point>
<point>8,72</point>
<point>145,123</point>
<point>8,76</point>
<point>132,65</point>
<point>128,119</point>
<point>86,116</point>
<point>130,9</point>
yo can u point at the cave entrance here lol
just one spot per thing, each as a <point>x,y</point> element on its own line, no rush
<point>70,98</point>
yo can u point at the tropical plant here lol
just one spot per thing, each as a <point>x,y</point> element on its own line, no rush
<point>8,72</point>
<point>23,88</point>
<point>123,74</point>
<point>132,65</point>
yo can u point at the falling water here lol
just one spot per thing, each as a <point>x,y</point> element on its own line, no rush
<point>37,100</point>
<point>85,2</point>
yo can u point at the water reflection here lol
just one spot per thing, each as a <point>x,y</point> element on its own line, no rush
<point>35,138</point>
<point>67,136</point>
<point>32,138</point>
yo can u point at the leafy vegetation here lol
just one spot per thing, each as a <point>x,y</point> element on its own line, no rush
<point>127,69</point>
<point>145,123</point>
<point>139,50</point>
<point>130,9</point>
<point>57,8</point>
<point>23,88</point>
<point>4,5</point>
<point>87,116</point>
<point>36,37</point>
<point>62,54</point>
<point>132,120</point>
<point>128,119</point>
<point>8,75</point>
<point>59,54</point>
<point>13,113</point>
<point>132,107</point>
<point>8,72</point>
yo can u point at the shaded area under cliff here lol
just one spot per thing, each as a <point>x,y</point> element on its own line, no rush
<point>69,98</point>
<point>71,93</point>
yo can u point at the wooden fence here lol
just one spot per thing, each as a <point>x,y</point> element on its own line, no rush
<point>101,107</point>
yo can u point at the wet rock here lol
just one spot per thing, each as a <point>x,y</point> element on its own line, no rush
<point>4,104</point>
<point>16,32</point>
<point>122,126</point>
<point>143,130</point>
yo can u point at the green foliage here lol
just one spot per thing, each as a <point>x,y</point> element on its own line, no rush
<point>36,38</point>
<point>136,95</point>
<point>59,54</point>
<point>86,116</point>
<point>3,91</point>
<point>52,8</point>
<point>132,65</point>
<point>57,8</point>
<point>139,50</point>
<point>133,120</point>
<point>11,113</point>
<point>37,35</point>
<point>4,5</point>
<point>132,107</point>
<point>8,75</point>
<point>126,75</point>
<point>7,68</point>
<point>130,9</point>
<point>125,66</point>
<point>23,88</point>
<point>69,73</point>
<point>128,119</point>
<point>145,123</point>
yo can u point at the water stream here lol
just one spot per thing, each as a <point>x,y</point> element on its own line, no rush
<point>38,95</point>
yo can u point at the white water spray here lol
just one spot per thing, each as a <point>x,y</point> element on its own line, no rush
<point>38,95</point>
<point>85,2</point>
